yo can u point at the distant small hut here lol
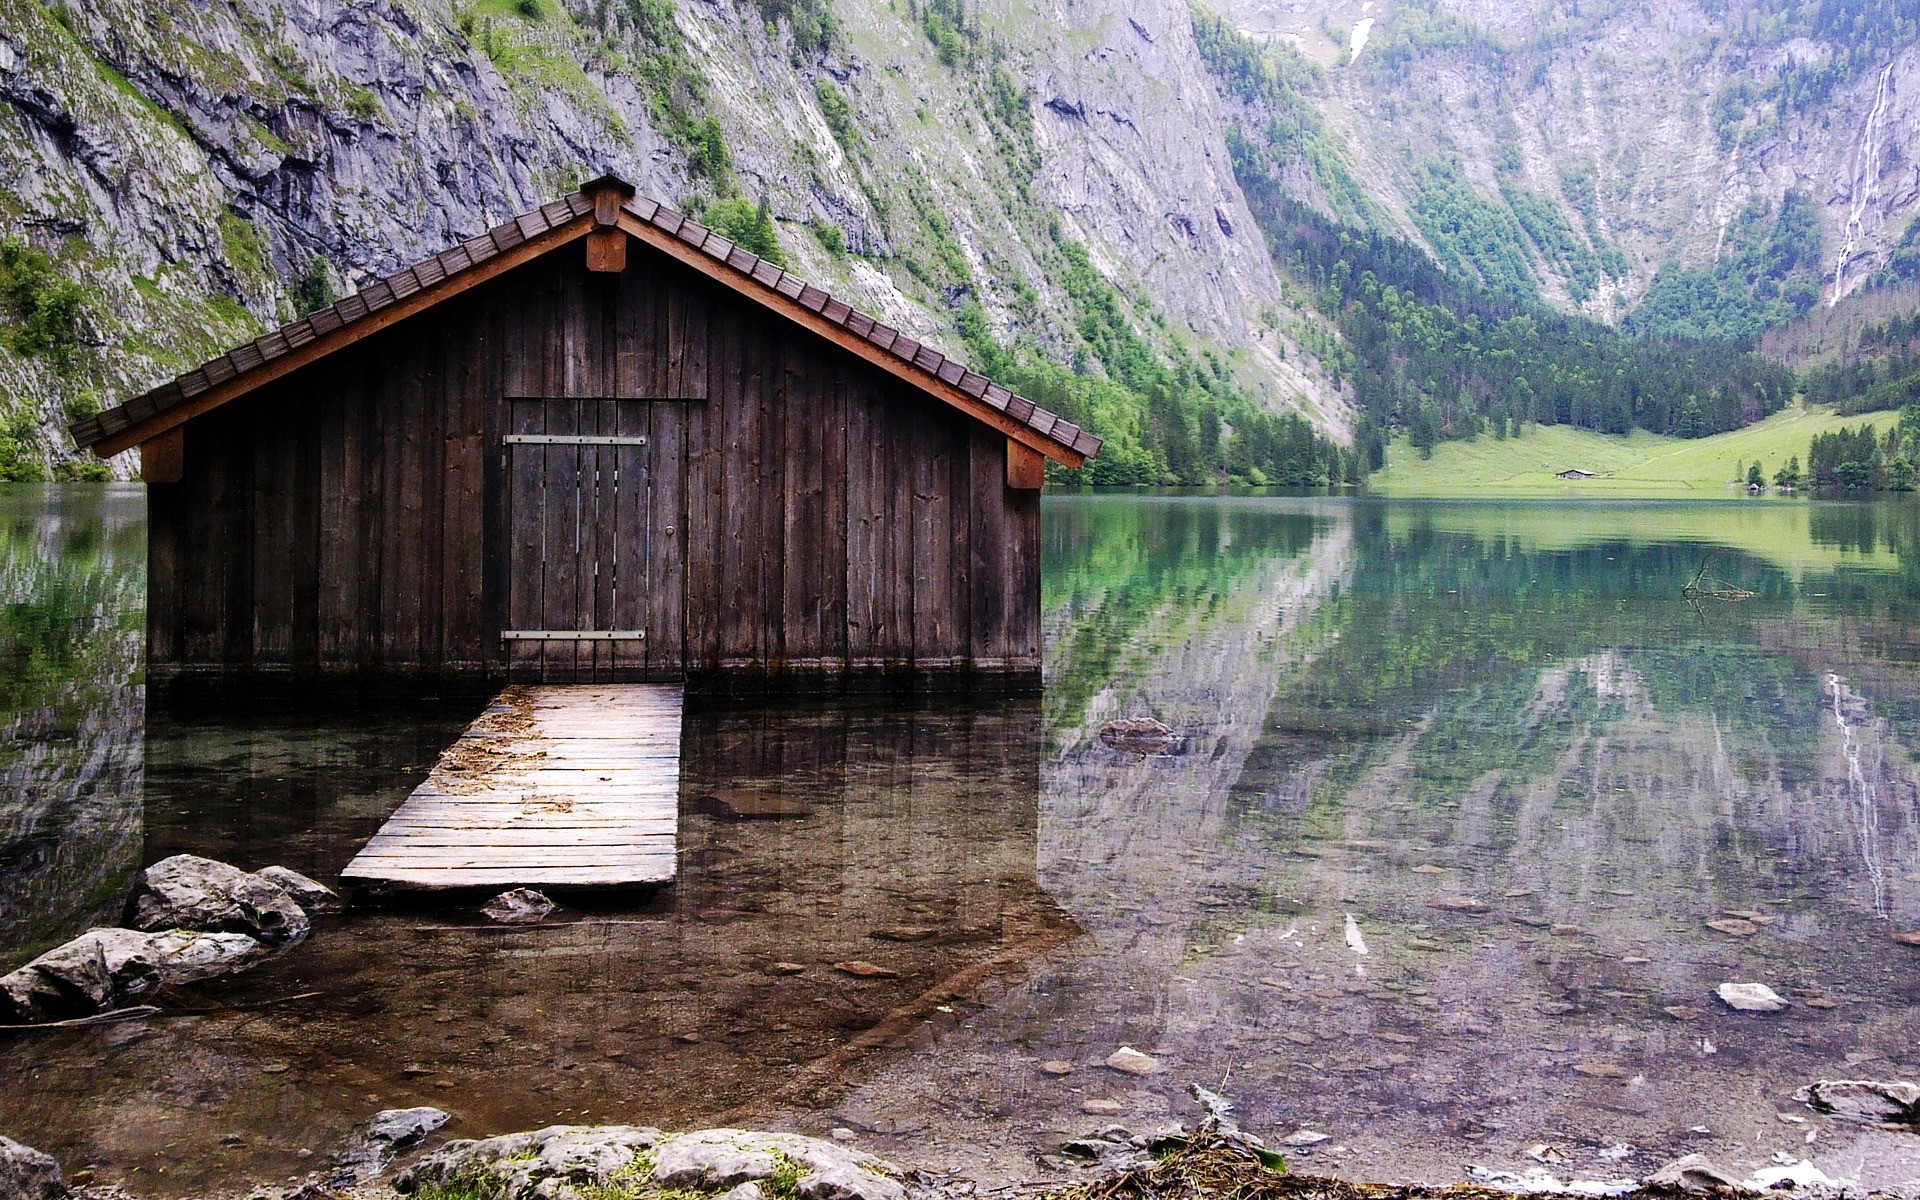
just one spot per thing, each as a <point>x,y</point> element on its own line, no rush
<point>598,443</point>
<point>1576,473</point>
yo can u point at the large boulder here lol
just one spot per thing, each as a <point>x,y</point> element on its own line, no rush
<point>186,956</point>
<point>98,970</point>
<point>537,1164</point>
<point>27,1174</point>
<point>310,894</point>
<point>103,969</point>
<point>190,892</point>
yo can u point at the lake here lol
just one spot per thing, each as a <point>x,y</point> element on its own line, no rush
<point>1458,789</point>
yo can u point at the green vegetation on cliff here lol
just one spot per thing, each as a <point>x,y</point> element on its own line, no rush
<point>1444,359</point>
<point>1179,419</point>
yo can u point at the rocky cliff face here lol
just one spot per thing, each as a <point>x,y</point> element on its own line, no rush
<point>197,167</point>
<point>1645,131</point>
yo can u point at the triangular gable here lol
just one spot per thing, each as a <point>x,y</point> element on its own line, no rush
<point>539,232</point>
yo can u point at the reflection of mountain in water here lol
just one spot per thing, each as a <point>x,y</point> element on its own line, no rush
<point>72,572</point>
<point>1531,775</point>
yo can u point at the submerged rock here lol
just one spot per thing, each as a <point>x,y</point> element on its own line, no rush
<point>1142,735</point>
<point>1692,1173</point>
<point>520,906</point>
<point>1865,1100</point>
<point>190,892</point>
<point>27,1174</point>
<point>1131,1062</point>
<point>552,1161</point>
<point>1750,997</point>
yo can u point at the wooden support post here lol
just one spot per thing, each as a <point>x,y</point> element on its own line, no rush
<point>163,459</point>
<point>1026,467</point>
<point>607,251</point>
<point>607,243</point>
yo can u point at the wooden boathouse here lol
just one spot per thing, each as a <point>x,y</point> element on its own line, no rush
<point>598,443</point>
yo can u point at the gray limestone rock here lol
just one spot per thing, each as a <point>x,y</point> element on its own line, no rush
<point>27,1174</point>
<point>374,1144</point>
<point>188,956</point>
<point>103,969</point>
<point>311,895</point>
<point>519,906</point>
<point>551,1163</point>
<point>538,1163</point>
<point>94,972</point>
<point>848,1182</point>
<point>190,892</point>
<point>1871,1100</point>
<point>405,1126</point>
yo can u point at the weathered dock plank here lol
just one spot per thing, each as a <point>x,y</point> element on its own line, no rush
<point>573,786</point>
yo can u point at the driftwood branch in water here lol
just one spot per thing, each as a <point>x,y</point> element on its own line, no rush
<point>1705,587</point>
<point>137,1012</point>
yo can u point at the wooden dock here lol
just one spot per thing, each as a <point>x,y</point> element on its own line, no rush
<point>573,786</point>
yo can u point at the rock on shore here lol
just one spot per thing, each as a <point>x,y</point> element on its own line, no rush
<point>27,1174</point>
<point>562,1158</point>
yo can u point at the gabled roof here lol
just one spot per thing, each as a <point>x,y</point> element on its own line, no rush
<point>535,233</point>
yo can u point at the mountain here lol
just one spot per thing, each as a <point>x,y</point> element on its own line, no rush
<point>1057,192</point>
<point>1692,166</point>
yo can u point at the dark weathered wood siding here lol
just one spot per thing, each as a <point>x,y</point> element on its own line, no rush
<point>808,516</point>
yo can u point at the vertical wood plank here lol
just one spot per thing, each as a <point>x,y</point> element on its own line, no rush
<point>496,572</point>
<point>269,533</point>
<point>304,532</point>
<point>741,571</point>
<point>430,350</point>
<point>1023,578</point>
<point>560,490</point>
<point>463,490</point>
<point>170,513</point>
<point>832,565</point>
<point>705,526</point>
<point>526,606</point>
<point>401,533</point>
<point>932,515</point>
<point>987,541</point>
<point>632,589</point>
<point>897,449</point>
<point>626,331</point>
<point>339,499</point>
<point>800,398</point>
<point>236,528</point>
<point>369,434</point>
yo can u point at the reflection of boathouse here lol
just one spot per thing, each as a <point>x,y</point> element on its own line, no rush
<point>895,835</point>
<point>599,443</point>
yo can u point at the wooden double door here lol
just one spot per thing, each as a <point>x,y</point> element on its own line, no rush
<point>594,570</point>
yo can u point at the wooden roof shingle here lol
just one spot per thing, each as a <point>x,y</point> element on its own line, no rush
<point>335,327</point>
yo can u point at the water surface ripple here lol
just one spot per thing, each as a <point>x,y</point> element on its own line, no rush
<point>1458,790</point>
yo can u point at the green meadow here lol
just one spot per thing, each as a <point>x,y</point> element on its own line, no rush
<point>1639,465</point>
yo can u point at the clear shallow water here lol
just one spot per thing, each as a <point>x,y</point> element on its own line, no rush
<point>1488,743</point>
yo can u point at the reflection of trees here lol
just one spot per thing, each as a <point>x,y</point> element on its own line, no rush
<point>72,570</point>
<point>1462,635</point>
<point>1116,569</point>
